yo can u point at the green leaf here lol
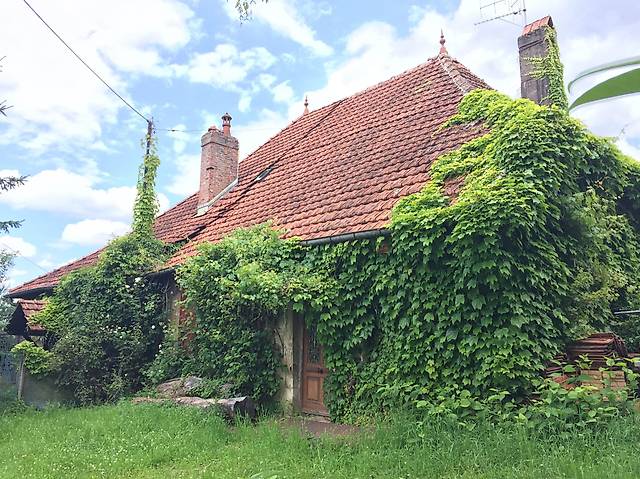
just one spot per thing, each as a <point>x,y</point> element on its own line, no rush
<point>623,84</point>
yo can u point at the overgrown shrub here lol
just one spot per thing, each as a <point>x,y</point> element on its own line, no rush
<point>238,288</point>
<point>108,318</point>
<point>477,292</point>
<point>36,359</point>
<point>574,405</point>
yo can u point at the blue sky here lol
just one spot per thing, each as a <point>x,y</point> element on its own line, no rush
<point>187,62</point>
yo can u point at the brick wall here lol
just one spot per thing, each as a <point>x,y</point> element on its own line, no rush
<point>218,165</point>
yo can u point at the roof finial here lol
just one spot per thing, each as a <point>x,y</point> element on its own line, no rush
<point>443,50</point>
<point>306,105</point>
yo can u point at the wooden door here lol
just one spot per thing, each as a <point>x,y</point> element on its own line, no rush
<point>313,374</point>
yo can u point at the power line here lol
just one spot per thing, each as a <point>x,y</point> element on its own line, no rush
<point>180,130</point>
<point>17,253</point>
<point>85,63</point>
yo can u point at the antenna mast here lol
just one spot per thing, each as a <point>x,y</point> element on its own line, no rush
<point>509,11</point>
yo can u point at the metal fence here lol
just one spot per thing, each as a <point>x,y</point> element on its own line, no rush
<point>11,370</point>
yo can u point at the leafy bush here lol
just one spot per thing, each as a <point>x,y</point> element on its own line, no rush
<point>238,288</point>
<point>553,407</point>
<point>109,320</point>
<point>36,359</point>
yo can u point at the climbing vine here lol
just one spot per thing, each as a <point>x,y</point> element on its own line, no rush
<point>108,317</point>
<point>551,68</point>
<point>238,289</point>
<point>477,290</point>
<point>145,208</point>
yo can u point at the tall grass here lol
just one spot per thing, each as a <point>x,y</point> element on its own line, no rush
<point>150,441</point>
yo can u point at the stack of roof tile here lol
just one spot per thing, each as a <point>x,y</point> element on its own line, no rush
<point>597,348</point>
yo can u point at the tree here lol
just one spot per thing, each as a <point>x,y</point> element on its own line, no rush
<point>3,103</point>
<point>244,7</point>
<point>8,182</point>
<point>6,308</point>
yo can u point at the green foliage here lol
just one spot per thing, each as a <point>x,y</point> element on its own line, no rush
<point>244,7</point>
<point>108,318</point>
<point>6,306</point>
<point>551,67</point>
<point>36,359</point>
<point>9,183</point>
<point>554,408</point>
<point>477,293</point>
<point>145,208</point>
<point>238,288</point>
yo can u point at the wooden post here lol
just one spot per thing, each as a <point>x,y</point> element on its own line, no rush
<point>20,376</point>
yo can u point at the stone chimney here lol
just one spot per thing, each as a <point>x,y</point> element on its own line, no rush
<point>218,164</point>
<point>533,44</point>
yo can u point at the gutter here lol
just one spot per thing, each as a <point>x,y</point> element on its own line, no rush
<point>369,234</point>
<point>342,238</point>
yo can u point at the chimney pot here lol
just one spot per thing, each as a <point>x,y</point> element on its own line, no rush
<point>226,124</point>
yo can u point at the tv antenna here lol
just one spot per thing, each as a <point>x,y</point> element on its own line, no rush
<point>509,11</point>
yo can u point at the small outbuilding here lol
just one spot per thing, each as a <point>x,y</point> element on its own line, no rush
<point>22,322</point>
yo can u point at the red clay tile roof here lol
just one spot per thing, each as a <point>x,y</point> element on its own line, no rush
<point>339,169</point>
<point>30,307</point>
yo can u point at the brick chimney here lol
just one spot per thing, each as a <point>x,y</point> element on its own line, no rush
<point>533,44</point>
<point>218,164</point>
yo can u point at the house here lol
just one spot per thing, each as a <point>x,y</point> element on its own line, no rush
<point>332,175</point>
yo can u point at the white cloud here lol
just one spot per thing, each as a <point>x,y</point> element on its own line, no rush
<point>68,193</point>
<point>244,103</point>
<point>628,149</point>
<point>14,278</point>
<point>186,180</point>
<point>282,93</point>
<point>225,66</point>
<point>253,134</point>
<point>284,18</point>
<point>93,232</point>
<point>180,138</point>
<point>18,245</point>
<point>57,102</point>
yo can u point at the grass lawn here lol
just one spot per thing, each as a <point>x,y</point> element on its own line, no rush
<point>151,441</point>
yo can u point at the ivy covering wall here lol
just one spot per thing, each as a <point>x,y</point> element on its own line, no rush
<point>238,289</point>
<point>478,290</point>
